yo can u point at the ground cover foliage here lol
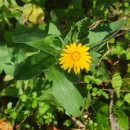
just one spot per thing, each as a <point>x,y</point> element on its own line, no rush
<point>36,93</point>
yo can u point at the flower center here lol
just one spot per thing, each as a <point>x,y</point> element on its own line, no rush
<point>75,55</point>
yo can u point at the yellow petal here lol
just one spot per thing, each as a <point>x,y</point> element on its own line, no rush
<point>83,60</point>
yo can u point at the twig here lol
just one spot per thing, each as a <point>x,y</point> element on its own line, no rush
<point>112,90</point>
<point>108,81</point>
<point>95,24</point>
<point>104,56</point>
<point>113,120</point>
<point>122,33</point>
<point>108,45</point>
<point>78,123</point>
<point>115,63</point>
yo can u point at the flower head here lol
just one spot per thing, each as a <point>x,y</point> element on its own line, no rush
<point>75,56</point>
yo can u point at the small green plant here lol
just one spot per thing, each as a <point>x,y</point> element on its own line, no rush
<point>64,66</point>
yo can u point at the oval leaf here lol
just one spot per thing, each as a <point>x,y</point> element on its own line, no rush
<point>65,92</point>
<point>123,120</point>
<point>127,98</point>
<point>47,43</point>
<point>117,83</point>
<point>102,33</point>
<point>33,65</point>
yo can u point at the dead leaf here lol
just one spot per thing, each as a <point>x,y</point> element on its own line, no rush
<point>5,125</point>
<point>51,127</point>
<point>33,13</point>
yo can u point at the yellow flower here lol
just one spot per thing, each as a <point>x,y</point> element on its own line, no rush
<point>75,56</point>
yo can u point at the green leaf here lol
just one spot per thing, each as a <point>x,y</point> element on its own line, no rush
<point>95,54</point>
<point>5,60</point>
<point>28,37</point>
<point>95,61</point>
<point>47,43</point>
<point>34,103</point>
<point>128,55</point>
<point>8,68</point>
<point>116,82</point>
<point>127,98</point>
<point>77,4</point>
<point>9,57</point>
<point>88,101</point>
<point>10,91</point>
<point>1,3</point>
<point>8,78</point>
<point>102,33</point>
<point>72,77</point>
<point>4,54</point>
<point>118,50</point>
<point>33,65</point>
<point>13,115</point>
<point>44,91</point>
<point>53,29</point>
<point>23,98</point>
<point>123,121</point>
<point>55,18</point>
<point>11,3</point>
<point>9,105</point>
<point>79,31</point>
<point>102,120</point>
<point>21,29</point>
<point>43,108</point>
<point>65,92</point>
<point>18,107</point>
<point>102,72</point>
<point>8,36</point>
